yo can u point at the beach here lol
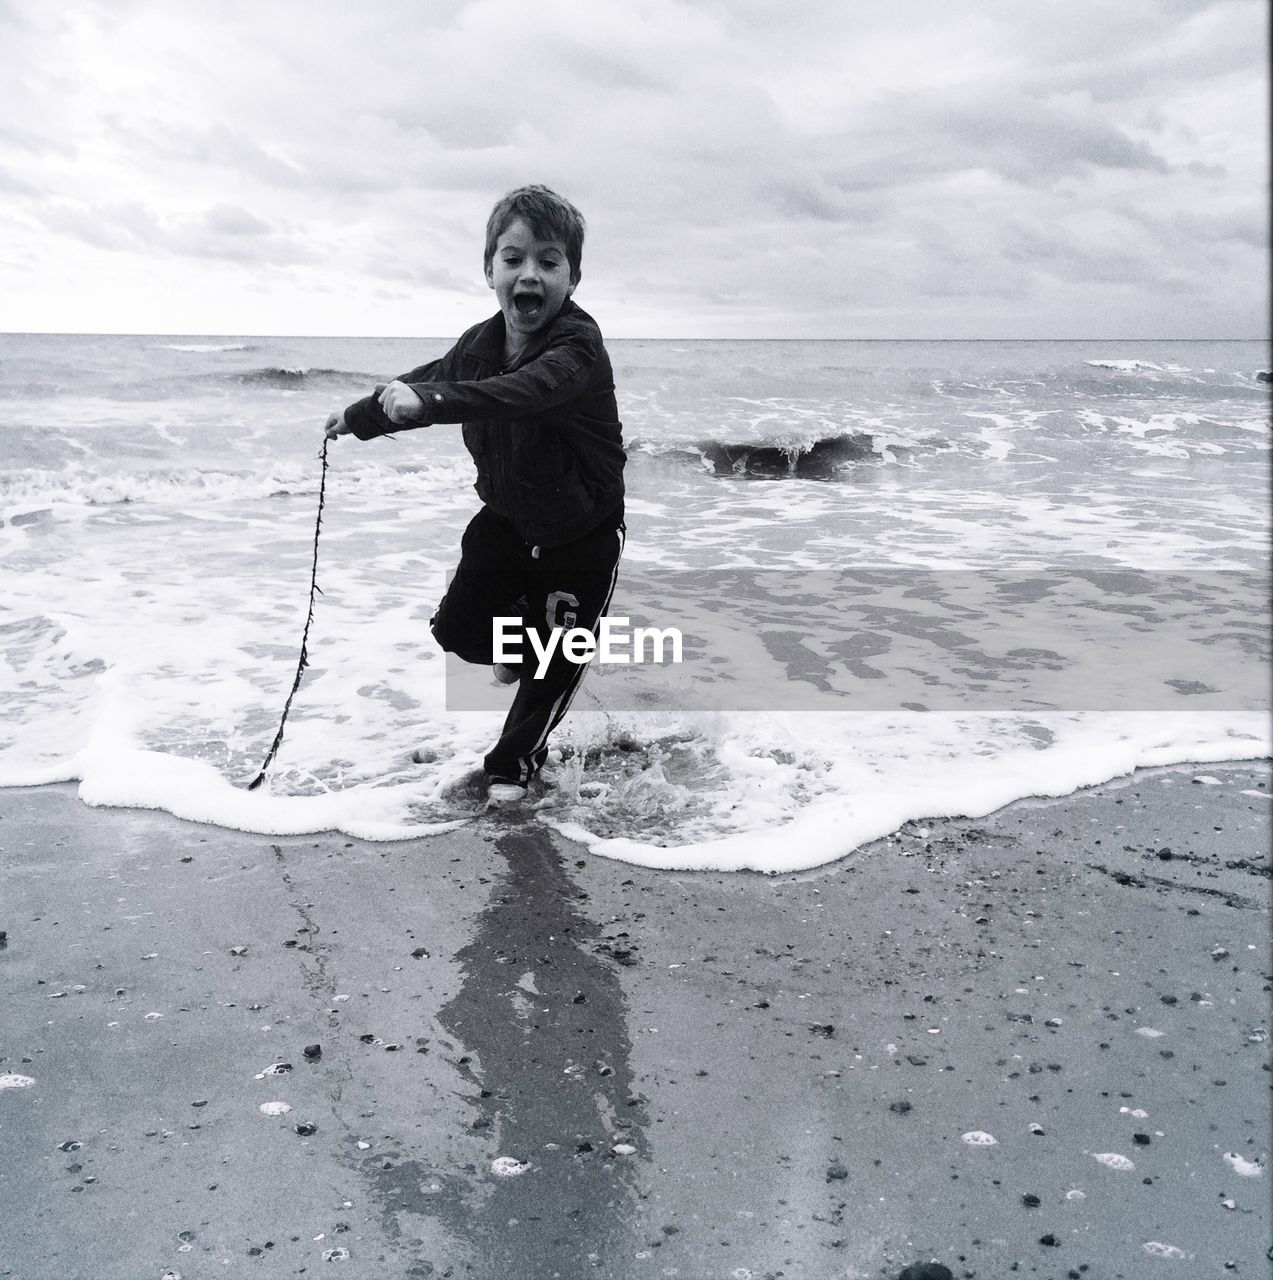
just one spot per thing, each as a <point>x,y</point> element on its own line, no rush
<point>1032,1043</point>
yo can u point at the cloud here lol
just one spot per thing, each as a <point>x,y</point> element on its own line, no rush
<point>1030,141</point>
<point>1186,234</point>
<point>741,166</point>
<point>230,220</point>
<point>223,232</point>
<point>16,186</point>
<point>1079,257</point>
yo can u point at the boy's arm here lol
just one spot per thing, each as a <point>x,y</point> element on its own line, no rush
<point>562,372</point>
<point>367,419</point>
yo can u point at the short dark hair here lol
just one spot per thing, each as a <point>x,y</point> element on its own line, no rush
<point>548,215</point>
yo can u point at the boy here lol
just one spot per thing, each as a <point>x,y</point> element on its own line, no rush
<point>534,389</point>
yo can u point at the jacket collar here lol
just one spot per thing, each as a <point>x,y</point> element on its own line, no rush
<point>488,343</point>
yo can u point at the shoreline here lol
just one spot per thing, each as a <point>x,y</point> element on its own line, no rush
<point>535,1060</point>
<point>826,839</point>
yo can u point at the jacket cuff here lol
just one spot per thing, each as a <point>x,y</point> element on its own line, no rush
<point>432,398</point>
<point>367,420</point>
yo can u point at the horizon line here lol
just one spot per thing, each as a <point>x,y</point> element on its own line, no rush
<point>422,337</point>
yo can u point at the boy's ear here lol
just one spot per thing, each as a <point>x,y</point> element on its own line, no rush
<point>490,276</point>
<point>574,284</point>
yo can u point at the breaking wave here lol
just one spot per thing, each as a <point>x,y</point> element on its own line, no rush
<point>820,458</point>
<point>282,376</point>
<point>1136,366</point>
<point>202,348</point>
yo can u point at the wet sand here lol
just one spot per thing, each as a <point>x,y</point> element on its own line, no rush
<point>1032,1044</point>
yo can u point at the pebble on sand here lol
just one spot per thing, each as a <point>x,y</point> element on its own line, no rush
<point>508,1167</point>
<point>926,1271</point>
<point>977,1138</point>
<point>1112,1160</point>
<point>1243,1168</point>
<point>11,1080</point>
<point>275,1108</point>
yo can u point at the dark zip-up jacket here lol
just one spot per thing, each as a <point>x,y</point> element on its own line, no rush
<point>545,433</point>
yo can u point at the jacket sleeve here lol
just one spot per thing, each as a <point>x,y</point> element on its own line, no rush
<point>564,371</point>
<point>367,419</point>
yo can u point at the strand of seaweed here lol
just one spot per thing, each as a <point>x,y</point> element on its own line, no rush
<point>303,662</point>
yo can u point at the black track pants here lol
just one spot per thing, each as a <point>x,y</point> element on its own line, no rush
<point>498,576</point>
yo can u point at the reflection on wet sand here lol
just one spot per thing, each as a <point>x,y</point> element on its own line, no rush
<point>540,1030</point>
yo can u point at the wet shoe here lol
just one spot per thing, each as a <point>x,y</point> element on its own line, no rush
<point>505,793</point>
<point>506,674</point>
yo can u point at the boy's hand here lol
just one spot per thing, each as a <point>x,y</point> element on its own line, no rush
<point>336,426</point>
<point>401,404</point>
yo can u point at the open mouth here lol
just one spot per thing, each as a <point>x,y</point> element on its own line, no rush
<point>527,304</point>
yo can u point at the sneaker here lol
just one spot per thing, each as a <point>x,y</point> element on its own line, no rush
<point>505,793</point>
<point>506,674</point>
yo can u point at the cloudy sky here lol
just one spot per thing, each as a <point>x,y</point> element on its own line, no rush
<point>749,168</point>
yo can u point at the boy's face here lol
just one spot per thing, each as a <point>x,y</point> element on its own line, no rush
<point>531,279</point>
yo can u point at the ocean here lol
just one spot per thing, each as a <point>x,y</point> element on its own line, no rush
<point>915,579</point>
